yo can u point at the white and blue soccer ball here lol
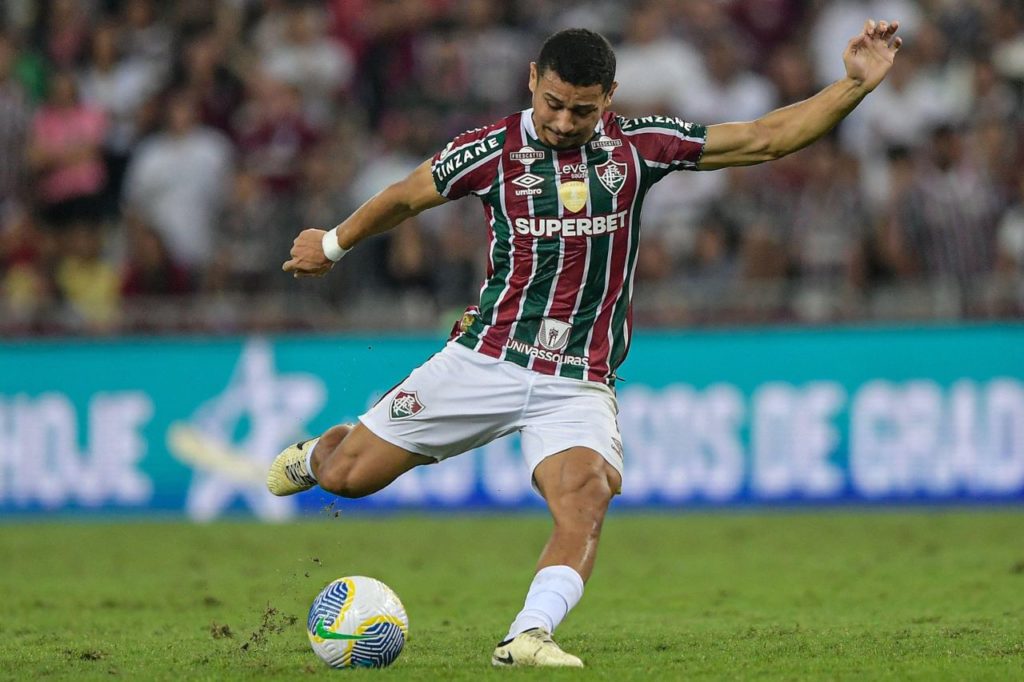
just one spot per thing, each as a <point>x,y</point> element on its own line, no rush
<point>357,622</point>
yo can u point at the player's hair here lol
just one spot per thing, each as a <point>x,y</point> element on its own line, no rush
<point>579,57</point>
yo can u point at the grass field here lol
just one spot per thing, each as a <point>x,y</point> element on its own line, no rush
<point>930,595</point>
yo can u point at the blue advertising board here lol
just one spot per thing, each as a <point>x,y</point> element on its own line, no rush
<point>188,426</point>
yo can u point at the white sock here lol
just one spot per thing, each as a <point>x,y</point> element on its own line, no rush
<point>553,593</point>
<point>310,447</point>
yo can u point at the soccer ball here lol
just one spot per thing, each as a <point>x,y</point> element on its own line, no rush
<point>357,622</point>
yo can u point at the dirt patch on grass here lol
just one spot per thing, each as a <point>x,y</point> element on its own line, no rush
<point>221,630</point>
<point>85,654</point>
<point>273,623</point>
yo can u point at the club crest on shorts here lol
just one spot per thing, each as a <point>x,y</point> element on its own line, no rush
<point>405,404</point>
<point>612,175</point>
<point>553,334</point>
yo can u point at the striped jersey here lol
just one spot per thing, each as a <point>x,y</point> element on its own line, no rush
<point>563,228</point>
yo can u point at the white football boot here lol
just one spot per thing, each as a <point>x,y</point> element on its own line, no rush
<point>533,648</point>
<point>288,474</point>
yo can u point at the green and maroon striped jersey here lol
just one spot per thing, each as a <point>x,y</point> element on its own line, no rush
<point>563,231</point>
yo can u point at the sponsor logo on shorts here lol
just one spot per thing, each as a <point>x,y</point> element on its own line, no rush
<point>405,404</point>
<point>553,335</point>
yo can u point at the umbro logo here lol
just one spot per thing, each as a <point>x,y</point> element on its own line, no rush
<point>528,180</point>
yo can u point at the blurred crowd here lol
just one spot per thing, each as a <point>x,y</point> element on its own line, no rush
<point>157,158</point>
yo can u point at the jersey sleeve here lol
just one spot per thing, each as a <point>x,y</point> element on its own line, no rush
<point>469,163</point>
<point>666,144</point>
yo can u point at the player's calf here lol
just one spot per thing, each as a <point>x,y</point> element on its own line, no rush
<point>292,471</point>
<point>360,463</point>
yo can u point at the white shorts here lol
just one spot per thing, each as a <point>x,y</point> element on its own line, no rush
<point>460,399</point>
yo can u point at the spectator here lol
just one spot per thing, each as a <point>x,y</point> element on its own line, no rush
<point>66,156</point>
<point>380,79</point>
<point>149,269</point>
<point>791,73</point>
<point>1010,258</point>
<point>319,67</point>
<point>251,232</point>
<point>839,19</point>
<point>946,223</point>
<point>770,23</point>
<point>15,116</point>
<point>65,28</point>
<point>1010,239</point>
<point>657,69</point>
<point>27,289</point>
<point>491,52</point>
<point>730,92</point>
<point>119,87</point>
<point>147,38</point>
<point>828,235</point>
<point>177,181</point>
<point>88,284</point>
<point>274,142</point>
<point>204,73</point>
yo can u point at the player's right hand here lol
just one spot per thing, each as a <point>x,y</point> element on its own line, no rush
<point>308,259</point>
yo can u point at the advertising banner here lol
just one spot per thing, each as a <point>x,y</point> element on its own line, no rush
<point>847,416</point>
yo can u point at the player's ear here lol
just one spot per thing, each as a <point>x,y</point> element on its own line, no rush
<point>611,91</point>
<point>533,76</point>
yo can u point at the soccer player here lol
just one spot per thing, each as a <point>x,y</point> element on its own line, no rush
<point>562,185</point>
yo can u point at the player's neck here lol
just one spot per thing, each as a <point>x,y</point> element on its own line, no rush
<point>534,132</point>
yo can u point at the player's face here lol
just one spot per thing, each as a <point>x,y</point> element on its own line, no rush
<point>565,114</point>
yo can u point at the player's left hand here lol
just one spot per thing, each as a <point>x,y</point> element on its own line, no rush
<point>307,255</point>
<point>870,55</point>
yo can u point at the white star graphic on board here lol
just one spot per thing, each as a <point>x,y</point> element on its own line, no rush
<point>272,409</point>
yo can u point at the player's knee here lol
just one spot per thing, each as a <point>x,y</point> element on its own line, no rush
<point>585,488</point>
<point>330,440</point>
<point>340,474</point>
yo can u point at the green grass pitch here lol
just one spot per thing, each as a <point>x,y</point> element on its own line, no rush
<point>810,595</point>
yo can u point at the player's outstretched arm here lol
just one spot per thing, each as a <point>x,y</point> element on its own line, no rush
<point>868,58</point>
<point>385,210</point>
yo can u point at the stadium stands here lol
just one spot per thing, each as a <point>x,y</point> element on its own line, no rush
<point>157,158</point>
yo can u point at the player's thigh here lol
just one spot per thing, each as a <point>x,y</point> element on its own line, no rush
<point>456,401</point>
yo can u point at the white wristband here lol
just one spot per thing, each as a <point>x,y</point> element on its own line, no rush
<point>332,249</point>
